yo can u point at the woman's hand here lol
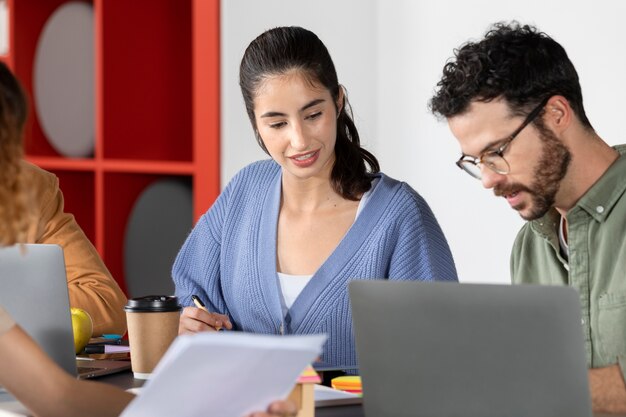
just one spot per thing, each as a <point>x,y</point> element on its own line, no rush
<point>194,320</point>
<point>279,409</point>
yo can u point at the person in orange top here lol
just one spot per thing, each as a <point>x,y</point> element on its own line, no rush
<point>31,211</point>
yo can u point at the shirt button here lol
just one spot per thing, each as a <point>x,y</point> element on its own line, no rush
<point>600,209</point>
<point>582,321</point>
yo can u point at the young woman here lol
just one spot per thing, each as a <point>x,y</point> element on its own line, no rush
<point>25,370</point>
<point>276,251</point>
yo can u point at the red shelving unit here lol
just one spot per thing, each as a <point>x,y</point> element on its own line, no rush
<point>157,109</point>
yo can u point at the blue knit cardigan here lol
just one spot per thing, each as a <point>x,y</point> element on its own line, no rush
<point>229,259</point>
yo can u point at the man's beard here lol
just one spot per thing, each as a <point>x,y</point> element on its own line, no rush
<point>551,169</point>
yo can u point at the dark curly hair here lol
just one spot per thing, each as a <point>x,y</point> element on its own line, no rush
<point>283,49</point>
<point>513,61</point>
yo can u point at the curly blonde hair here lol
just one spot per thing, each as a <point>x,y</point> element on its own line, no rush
<point>14,207</point>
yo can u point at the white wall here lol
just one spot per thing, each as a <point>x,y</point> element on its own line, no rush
<point>390,54</point>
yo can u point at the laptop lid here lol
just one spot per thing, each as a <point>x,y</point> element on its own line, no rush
<point>33,289</point>
<point>470,350</point>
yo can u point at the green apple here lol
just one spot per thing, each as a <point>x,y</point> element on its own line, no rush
<point>82,327</point>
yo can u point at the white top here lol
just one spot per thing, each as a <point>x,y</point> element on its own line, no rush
<point>292,285</point>
<point>365,198</point>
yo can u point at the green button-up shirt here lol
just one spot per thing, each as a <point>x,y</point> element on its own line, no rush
<point>597,262</point>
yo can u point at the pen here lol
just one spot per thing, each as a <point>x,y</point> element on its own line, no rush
<point>198,302</point>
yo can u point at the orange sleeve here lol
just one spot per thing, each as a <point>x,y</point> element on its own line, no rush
<point>89,282</point>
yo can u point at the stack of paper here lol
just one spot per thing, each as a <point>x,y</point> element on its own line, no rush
<point>224,374</point>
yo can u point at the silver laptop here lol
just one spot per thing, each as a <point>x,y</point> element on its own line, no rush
<point>33,289</point>
<point>469,350</point>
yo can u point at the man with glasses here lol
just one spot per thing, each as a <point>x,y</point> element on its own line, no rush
<point>514,103</point>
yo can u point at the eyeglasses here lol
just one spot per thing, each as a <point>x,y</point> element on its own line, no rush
<point>494,160</point>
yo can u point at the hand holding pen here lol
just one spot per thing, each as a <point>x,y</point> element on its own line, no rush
<point>198,319</point>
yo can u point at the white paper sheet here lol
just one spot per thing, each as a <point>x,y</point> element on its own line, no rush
<point>226,374</point>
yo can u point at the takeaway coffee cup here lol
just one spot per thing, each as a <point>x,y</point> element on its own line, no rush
<point>152,326</point>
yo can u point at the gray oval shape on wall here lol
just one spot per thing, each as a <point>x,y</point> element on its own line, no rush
<point>157,227</point>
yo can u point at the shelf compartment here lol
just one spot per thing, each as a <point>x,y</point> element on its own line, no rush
<point>28,20</point>
<point>157,227</point>
<point>143,52</point>
<point>121,191</point>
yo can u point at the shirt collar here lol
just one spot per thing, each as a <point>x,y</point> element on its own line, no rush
<point>600,199</point>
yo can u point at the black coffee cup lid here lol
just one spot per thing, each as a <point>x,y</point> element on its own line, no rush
<point>153,304</point>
